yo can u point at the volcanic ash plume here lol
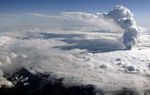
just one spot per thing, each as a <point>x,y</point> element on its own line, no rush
<point>124,17</point>
<point>119,16</point>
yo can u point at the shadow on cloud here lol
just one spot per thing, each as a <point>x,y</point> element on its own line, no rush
<point>54,35</point>
<point>93,46</point>
<point>77,41</point>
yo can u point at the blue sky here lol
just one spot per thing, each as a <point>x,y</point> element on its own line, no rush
<point>139,7</point>
<point>18,6</point>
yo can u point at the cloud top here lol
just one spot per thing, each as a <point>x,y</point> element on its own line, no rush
<point>118,12</point>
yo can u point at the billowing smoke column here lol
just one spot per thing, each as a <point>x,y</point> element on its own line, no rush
<point>124,17</point>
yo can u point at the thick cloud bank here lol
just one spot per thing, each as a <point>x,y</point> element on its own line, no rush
<point>77,56</point>
<point>121,16</point>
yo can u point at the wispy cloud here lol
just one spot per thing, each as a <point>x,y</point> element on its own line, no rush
<point>45,16</point>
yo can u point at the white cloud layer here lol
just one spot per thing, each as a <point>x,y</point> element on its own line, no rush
<point>75,55</point>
